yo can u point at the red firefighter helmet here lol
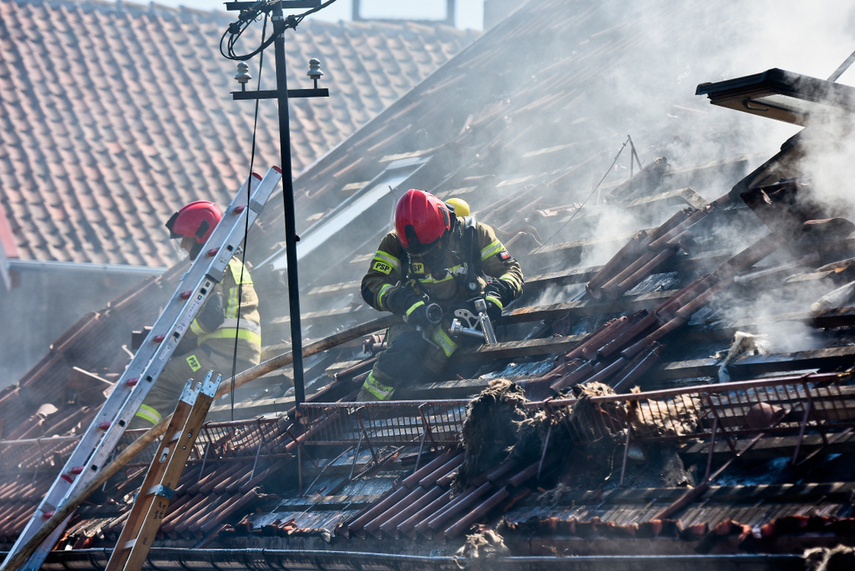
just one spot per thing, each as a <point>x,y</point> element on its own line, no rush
<point>420,220</point>
<point>195,220</point>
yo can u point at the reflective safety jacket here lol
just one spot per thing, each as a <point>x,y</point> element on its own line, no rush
<point>247,329</point>
<point>448,283</point>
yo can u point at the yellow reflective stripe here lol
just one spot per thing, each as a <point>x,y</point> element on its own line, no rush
<point>382,294</point>
<point>244,324</point>
<point>445,342</point>
<point>376,388</point>
<point>242,278</point>
<point>234,302</point>
<point>196,328</point>
<point>388,258</point>
<point>431,280</point>
<point>490,249</point>
<point>231,333</point>
<point>514,282</point>
<point>149,414</point>
<point>414,307</point>
<point>235,266</point>
<point>495,300</point>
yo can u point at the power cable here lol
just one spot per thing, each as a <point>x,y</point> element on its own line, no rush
<point>596,188</point>
<point>250,15</point>
<point>246,222</point>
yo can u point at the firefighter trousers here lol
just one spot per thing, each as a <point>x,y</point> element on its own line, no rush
<point>163,396</point>
<point>411,357</point>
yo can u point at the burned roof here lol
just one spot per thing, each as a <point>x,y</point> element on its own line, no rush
<point>673,388</point>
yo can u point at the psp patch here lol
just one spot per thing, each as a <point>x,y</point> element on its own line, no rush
<point>382,267</point>
<point>504,255</point>
<point>193,363</point>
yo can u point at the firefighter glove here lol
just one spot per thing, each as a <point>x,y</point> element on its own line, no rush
<point>501,290</point>
<point>418,315</point>
<point>212,313</point>
<point>401,298</point>
<point>494,308</point>
<point>496,295</point>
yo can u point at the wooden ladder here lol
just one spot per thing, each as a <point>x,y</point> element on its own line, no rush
<point>158,488</point>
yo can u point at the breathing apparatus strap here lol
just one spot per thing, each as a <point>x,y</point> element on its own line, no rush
<point>473,254</point>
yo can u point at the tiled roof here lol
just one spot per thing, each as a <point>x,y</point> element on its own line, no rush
<point>115,114</point>
<point>650,284</point>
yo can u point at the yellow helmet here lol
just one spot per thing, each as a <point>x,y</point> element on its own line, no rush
<point>460,206</point>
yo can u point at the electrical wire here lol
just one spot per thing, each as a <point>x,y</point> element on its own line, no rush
<point>633,156</point>
<point>246,222</point>
<point>250,15</point>
<point>596,188</point>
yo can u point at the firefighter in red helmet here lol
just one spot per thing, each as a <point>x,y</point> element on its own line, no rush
<point>227,325</point>
<point>436,258</point>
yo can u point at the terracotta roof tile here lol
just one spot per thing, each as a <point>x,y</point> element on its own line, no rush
<point>136,99</point>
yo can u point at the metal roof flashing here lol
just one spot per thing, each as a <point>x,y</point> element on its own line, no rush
<point>782,95</point>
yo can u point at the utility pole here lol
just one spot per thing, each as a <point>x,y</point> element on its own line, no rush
<point>249,10</point>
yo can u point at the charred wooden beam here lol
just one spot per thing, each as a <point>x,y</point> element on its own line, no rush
<point>827,359</point>
<point>524,348</point>
<point>588,307</point>
<point>681,197</point>
<point>771,447</point>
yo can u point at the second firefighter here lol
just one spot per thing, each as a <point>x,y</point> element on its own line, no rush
<point>435,256</point>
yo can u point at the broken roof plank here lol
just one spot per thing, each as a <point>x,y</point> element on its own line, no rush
<point>681,197</point>
<point>362,312</point>
<point>827,359</point>
<point>772,447</point>
<point>588,307</point>
<point>533,283</point>
<point>524,348</point>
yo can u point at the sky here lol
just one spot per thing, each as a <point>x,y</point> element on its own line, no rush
<point>469,13</point>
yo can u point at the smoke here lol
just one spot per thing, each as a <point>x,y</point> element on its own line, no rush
<point>828,149</point>
<point>761,309</point>
<point>661,53</point>
<point>650,92</point>
<point>657,54</point>
<point>716,41</point>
